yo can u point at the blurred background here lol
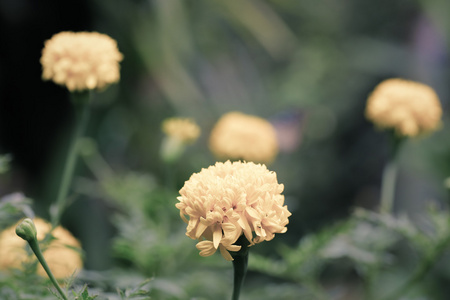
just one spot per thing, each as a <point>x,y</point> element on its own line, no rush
<point>306,66</point>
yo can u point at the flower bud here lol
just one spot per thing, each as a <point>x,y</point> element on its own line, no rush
<point>26,230</point>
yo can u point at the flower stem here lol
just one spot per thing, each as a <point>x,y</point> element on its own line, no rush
<point>240,263</point>
<point>389,177</point>
<point>81,103</point>
<point>37,251</point>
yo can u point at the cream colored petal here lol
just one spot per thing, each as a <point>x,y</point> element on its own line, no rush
<point>201,226</point>
<point>217,236</point>
<point>206,248</point>
<point>225,253</point>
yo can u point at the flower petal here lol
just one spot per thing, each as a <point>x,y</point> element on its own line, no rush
<point>206,248</point>
<point>225,253</point>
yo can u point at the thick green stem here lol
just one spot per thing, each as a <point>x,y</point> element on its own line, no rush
<point>81,104</point>
<point>37,251</point>
<point>240,270</point>
<point>240,263</point>
<point>389,177</point>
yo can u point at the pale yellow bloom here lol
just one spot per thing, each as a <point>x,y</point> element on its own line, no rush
<point>61,255</point>
<point>239,136</point>
<point>228,200</point>
<point>183,129</point>
<point>179,132</point>
<point>81,60</point>
<point>410,108</point>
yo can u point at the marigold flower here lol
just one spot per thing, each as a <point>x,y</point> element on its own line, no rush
<point>179,133</point>
<point>81,60</point>
<point>183,129</point>
<point>61,254</point>
<point>410,108</point>
<point>239,136</point>
<point>226,200</point>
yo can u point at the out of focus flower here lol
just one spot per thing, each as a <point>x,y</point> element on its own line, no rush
<point>179,132</point>
<point>239,136</point>
<point>183,129</point>
<point>62,254</point>
<point>81,60</point>
<point>409,108</point>
<point>228,200</point>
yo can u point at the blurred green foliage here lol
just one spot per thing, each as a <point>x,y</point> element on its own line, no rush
<point>304,65</point>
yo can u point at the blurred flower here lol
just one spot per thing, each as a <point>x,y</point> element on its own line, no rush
<point>227,200</point>
<point>179,133</point>
<point>408,107</point>
<point>81,60</point>
<point>62,254</point>
<point>240,136</point>
<point>185,130</point>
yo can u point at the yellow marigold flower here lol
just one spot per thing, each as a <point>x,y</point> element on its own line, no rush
<point>81,60</point>
<point>239,136</point>
<point>410,108</point>
<point>226,200</point>
<point>179,133</point>
<point>183,129</point>
<point>61,254</point>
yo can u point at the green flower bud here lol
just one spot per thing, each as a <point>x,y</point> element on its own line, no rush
<point>26,230</point>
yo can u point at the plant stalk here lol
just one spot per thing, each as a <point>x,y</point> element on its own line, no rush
<point>37,251</point>
<point>240,264</point>
<point>81,103</point>
<point>389,177</point>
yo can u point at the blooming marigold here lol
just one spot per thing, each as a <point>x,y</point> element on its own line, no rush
<point>179,133</point>
<point>240,136</point>
<point>182,129</point>
<point>226,200</point>
<point>81,60</point>
<point>410,108</point>
<point>61,254</point>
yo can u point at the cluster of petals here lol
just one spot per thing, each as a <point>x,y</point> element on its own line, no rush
<point>81,60</point>
<point>238,136</point>
<point>409,108</point>
<point>183,129</point>
<point>62,254</point>
<point>231,199</point>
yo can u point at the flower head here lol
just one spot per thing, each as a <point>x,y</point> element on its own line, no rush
<point>183,129</point>
<point>226,200</point>
<point>240,136</point>
<point>81,60</point>
<point>410,108</point>
<point>179,133</point>
<point>61,254</point>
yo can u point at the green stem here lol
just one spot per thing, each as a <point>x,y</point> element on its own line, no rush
<point>81,103</point>
<point>388,183</point>
<point>389,177</point>
<point>421,270</point>
<point>240,264</point>
<point>37,251</point>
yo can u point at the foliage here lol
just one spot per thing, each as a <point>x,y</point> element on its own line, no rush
<point>308,69</point>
